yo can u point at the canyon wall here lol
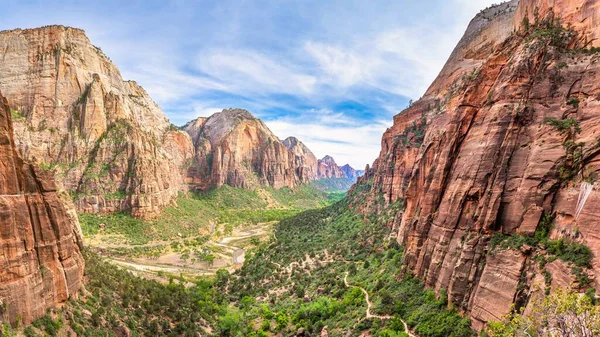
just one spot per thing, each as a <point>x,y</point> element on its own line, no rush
<point>306,159</point>
<point>41,264</point>
<point>235,148</point>
<point>108,143</point>
<point>327,168</point>
<point>112,148</point>
<point>499,146</point>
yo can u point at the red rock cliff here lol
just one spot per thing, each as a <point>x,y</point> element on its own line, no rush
<point>328,168</point>
<point>505,135</point>
<point>235,148</point>
<point>307,160</point>
<point>108,142</point>
<point>41,264</point>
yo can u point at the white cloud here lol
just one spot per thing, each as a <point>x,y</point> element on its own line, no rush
<point>339,66</point>
<point>347,140</point>
<point>248,71</point>
<point>205,57</point>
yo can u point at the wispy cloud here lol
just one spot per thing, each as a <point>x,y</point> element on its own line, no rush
<point>347,140</point>
<point>332,73</point>
<point>255,73</point>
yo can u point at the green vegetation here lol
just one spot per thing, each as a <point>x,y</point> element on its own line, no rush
<point>119,300</point>
<point>304,197</point>
<point>565,126</point>
<point>563,313</point>
<point>572,164</point>
<point>574,101</point>
<point>16,114</point>
<point>48,166</point>
<point>414,135</point>
<point>577,255</point>
<point>333,185</point>
<point>296,281</point>
<point>308,262</point>
<point>49,325</point>
<point>194,213</point>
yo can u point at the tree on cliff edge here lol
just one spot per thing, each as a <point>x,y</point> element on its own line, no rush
<point>562,314</point>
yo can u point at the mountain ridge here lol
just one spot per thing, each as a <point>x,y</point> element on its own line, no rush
<point>111,146</point>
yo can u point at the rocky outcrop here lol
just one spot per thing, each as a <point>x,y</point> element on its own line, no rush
<point>41,264</point>
<point>350,172</point>
<point>307,161</point>
<point>327,168</point>
<point>108,143</point>
<point>235,148</point>
<point>503,138</point>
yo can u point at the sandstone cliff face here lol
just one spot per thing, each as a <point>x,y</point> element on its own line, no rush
<point>41,264</point>
<point>327,168</point>
<point>492,147</point>
<point>109,144</point>
<point>307,161</point>
<point>235,148</point>
<point>582,15</point>
<point>350,172</point>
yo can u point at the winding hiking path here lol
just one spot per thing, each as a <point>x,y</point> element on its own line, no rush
<point>370,304</point>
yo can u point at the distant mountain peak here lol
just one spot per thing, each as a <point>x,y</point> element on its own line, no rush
<point>236,113</point>
<point>328,159</point>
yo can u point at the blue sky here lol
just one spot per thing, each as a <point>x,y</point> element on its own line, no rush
<point>332,73</point>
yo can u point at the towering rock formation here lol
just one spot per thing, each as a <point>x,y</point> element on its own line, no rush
<point>235,148</point>
<point>327,168</point>
<point>306,159</point>
<point>501,142</point>
<point>350,172</point>
<point>41,263</point>
<point>108,142</point>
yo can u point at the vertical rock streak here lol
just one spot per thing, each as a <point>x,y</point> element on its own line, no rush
<point>41,264</point>
<point>488,159</point>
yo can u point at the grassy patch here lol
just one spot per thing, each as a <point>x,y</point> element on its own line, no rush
<point>194,213</point>
<point>333,184</point>
<point>16,115</point>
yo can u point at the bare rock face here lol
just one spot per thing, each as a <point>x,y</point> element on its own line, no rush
<point>109,144</point>
<point>350,172</point>
<point>506,134</point>
<point>327,168</point>
<point>235,148</point>
<point>41,264</point>
<point>308,161</point>
<point>582,15</point>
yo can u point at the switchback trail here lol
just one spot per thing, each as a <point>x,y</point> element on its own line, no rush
<point>369,305</point>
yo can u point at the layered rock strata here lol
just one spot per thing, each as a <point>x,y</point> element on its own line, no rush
<point>41,265</point>
<point>235,148</point>
<point>501,142</point>
<point>108,143</point>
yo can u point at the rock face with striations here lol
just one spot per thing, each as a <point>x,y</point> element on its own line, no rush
<point>109,144</point>
<point>235,148</point>
<point>327,168</point>
<point>307,160</point>
<point>501,142</point>
<point>41,264</point>
<point>350,172</point>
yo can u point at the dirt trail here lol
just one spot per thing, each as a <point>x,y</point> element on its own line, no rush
<point>171,263</point>
<point>370,304</point>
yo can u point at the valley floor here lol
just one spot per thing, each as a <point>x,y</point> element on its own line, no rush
<point>320,272</point>
<point>176,261</point>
